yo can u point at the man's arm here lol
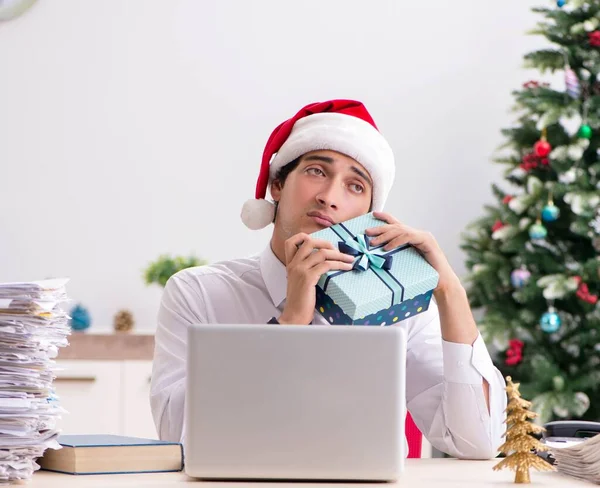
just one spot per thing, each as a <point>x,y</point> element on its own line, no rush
<point>460,401</point>
<point>457,322</point>
<point>444,393</point>
<point>180,306</point>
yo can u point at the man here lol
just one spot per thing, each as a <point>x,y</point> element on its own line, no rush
<point>327,164</point>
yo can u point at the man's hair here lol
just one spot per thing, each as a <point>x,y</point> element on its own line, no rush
<point>284,171</point>
<point>282,175</point>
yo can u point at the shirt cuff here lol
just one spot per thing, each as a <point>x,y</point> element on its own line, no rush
<point>467,364</point>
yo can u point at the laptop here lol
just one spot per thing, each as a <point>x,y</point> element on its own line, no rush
<point>275,402</point>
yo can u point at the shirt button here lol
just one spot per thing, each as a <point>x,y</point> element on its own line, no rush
<point>460,364</point>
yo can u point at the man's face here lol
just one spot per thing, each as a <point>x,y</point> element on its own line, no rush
<point>325,188</point>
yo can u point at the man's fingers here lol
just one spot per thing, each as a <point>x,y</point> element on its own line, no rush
<point>326,266</point>
<point>326,255</point>
<point>291,246</point>
<point>386,217</point>
<point>376,231</point>
<point>308,245</point>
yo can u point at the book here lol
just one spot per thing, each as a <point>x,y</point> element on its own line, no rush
<point>111,454</point>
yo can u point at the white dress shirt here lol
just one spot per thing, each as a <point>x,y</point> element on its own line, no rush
<point>444,391</point>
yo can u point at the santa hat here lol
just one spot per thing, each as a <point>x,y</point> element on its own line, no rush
<point>344,126</point>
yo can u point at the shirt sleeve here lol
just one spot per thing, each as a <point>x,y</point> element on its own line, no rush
<point>180,306</point>
<point>444,390</point>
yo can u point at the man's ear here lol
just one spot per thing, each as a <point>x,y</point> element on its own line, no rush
<point>276,190</point>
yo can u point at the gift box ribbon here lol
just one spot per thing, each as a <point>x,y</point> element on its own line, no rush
<point>361,248</point>
<point>368,258</point>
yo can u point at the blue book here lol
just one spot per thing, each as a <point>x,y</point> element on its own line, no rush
<point>111,454</point>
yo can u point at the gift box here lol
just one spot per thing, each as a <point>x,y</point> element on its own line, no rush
<point>383,287</point>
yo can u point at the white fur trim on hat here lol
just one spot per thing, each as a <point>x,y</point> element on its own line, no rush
<point>257,213</point>
<point>347,135</point>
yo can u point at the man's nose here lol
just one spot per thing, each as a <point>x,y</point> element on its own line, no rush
<point>329,196</point>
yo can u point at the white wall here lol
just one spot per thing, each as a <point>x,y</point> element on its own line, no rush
<point>132,128</point>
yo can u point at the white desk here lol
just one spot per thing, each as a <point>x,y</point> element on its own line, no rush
<point>421,473</point>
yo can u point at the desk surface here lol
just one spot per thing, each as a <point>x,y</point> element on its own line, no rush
<point>424,473</point>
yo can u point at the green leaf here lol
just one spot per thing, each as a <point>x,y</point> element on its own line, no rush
<point>166,266</point>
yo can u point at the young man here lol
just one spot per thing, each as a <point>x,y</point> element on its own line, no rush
<point>325,165</point>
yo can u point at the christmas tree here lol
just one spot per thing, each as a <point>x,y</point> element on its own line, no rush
<point>533,258</point>
<point>519,442</point>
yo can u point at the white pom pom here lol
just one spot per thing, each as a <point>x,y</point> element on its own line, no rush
<point>257,214</point>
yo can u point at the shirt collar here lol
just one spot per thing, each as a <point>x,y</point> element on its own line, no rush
<point>274,275</point>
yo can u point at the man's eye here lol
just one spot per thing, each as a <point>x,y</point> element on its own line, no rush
<point>357,188</point>
<point>315,171</point>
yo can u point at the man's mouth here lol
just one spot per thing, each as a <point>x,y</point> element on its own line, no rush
<point>321,219</point>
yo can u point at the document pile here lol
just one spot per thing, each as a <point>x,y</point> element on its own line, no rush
<point>581,460</point>
<point>32,328</point>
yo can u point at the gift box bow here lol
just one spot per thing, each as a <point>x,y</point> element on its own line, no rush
<point>367,258</point>
<point>365,254</point>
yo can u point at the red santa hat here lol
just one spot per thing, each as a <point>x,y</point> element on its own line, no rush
<point>344,126</point>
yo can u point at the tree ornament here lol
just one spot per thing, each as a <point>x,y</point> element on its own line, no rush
<point>80,318</point>
<point>123,321</point>
<point>538,231</point>
<point>550,212</point>
<point>594,38</point>
<point>532,161</point>
<point>542,148</point>
<point>572,83</point>
<point>550,321</point>
<point>561,3</point>
<point>519,277</point>
<point>585,132</point>
<point>519,443</point>
<point>583,293</point>
<point>514,353</point>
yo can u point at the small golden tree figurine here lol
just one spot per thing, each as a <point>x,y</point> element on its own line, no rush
<point>519,443</point>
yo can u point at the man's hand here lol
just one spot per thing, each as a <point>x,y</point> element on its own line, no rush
<point>456,319</point>
<point>394,234</point>
<point>305,265</point>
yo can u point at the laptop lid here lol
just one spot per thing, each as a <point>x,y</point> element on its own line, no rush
<point>295,402</point>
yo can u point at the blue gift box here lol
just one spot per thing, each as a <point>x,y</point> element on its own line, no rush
<point>384,287</point>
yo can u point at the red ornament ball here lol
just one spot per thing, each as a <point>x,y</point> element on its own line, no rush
<point>542,148</point>
<point>594,38</point>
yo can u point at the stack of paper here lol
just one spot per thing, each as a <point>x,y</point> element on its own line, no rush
<point>580,460</point>
<point>32,328</point>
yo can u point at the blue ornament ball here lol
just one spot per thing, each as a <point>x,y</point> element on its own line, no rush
<point>550,213</point>
<point>519,277</point>
<point>80,318</point>
<point>537,231</point>
<point>561,3</point>
<point>550,322</point>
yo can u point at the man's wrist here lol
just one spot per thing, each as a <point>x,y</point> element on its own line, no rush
<point>449,287</point>
<point>284,319</point>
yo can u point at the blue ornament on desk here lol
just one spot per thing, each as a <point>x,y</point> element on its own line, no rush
<point>80,318</point>
<point>550,213</point>
<point>550,321</point>
<point>537,231</point>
